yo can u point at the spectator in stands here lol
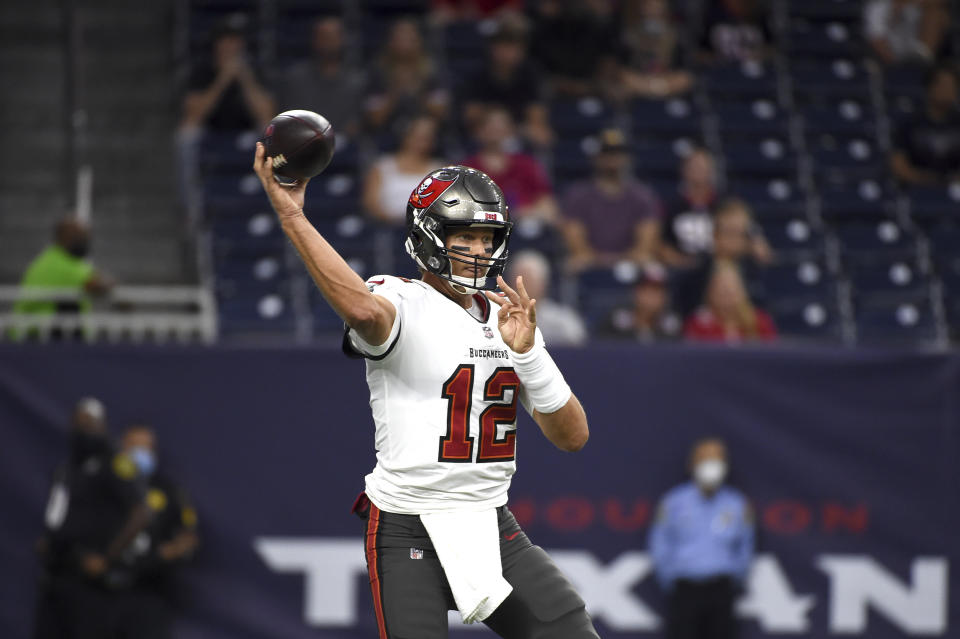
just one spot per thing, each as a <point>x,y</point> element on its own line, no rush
<point>523,180</point>
<point>727,314</point>
<point>473,10</point>
<point>651,44</point>
<point>611,216</point>
<point>404,82</point>
<point>324,83</point>
<point>227,93</point>
<point>688,224</point>
<point>736,239</point>
<point>735,31</point>
<point>904,31</point>
<point>224,94</point>
<point>509,80</point>
<point>561,325</point>
<point>392,178</point>
<point>64,265</point>
<point>575,42</point>
<point>648,317</point>
<point>702,544</point>
<point>144,606</point>
<point>926,149</point>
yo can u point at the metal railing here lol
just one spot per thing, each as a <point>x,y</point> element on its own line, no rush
<point>126,313</point>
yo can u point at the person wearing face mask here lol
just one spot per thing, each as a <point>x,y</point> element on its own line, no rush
<point>95,509</point>
<point>611,216</point>
<point>64,265</point>
<point>145,597</point>
<point>702,543</point>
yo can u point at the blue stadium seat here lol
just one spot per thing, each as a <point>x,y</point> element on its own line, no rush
<point>535,235</point>
<point>791,281</point>
<point>814,319</point>
<point>572,157</point>
<point>795,238</point>
<point>676,117</point>
<point>743,80</point>
<point>846,116</point>
<point>840,76</point>
<point>232,192</point>
<point>865,199</point>
<point>820,37</point>
<point>902,324</point>
<point>846,156</point>
<point>768,156</point>
<point>935,205</point>
<point>876,243</point>
<point>579,116</point>
<point>756,118</point>
<point>359,242</point>
<point>333,194</point>
<point>266,311</point>
<point>259,229</point>
<point>894,279</point>
<point>660,159</point>
<point>227,153</point>
<point>465,47</point>
<point>773,198</point>
<point>346,157</point>
<point>245,271</point>
<point>601,290</point>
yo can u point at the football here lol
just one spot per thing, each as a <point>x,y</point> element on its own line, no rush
<point>300,142</point>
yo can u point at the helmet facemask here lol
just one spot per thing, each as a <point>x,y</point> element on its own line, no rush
<point>427,245</point>
<point>452,199</point>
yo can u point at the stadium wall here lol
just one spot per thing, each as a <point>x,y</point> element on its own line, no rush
<point>850,457</point>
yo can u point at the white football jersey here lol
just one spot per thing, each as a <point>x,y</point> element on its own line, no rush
<point>444,399</point>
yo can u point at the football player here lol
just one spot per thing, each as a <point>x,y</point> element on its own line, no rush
<point>444,387</point>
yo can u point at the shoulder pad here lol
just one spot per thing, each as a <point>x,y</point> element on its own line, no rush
<point>398,285</point>
<point>123,467</point>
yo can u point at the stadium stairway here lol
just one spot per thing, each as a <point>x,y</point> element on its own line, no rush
<point>141,235</point>
<point>32,117</point>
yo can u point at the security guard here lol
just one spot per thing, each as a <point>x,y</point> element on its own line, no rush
<point>149,565</point>
<point>702,543</point>
<point>96,507</point>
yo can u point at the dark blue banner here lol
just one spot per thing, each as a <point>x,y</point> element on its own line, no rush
<point>850,459</point>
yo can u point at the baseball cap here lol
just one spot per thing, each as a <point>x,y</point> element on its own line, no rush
<point>613,141</point>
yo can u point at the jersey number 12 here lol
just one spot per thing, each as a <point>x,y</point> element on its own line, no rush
<point>457,445</point>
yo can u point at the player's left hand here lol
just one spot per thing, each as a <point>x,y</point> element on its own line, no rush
<point>517,318</point>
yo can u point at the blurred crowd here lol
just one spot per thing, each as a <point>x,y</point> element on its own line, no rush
<point>692,243</point>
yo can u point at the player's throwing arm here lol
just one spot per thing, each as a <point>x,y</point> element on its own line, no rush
<point>371,316</point>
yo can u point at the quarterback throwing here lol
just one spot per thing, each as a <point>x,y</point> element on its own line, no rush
<point>444,388</point>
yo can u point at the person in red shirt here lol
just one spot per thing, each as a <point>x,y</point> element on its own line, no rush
<point>524,181</point>
<point>727,314</point>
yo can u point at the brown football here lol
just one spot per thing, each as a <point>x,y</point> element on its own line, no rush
<point>300,142</point>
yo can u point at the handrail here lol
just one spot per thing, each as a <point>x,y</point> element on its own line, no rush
<point>184,313</point>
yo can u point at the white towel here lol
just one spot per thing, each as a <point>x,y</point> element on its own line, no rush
<point>468,545</point>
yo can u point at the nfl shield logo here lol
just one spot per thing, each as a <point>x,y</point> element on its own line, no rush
<point>416,553</point>
<point>488,332</point>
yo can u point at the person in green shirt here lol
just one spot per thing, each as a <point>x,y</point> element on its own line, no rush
<point>63,265</point>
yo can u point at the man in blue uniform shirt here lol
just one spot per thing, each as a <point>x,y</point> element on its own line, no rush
<point>702,545</point>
